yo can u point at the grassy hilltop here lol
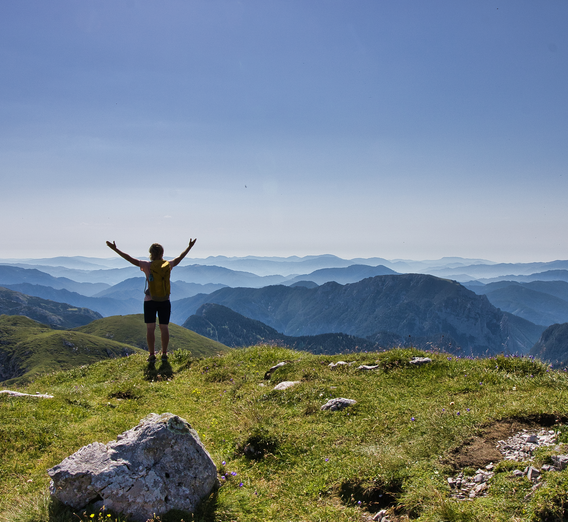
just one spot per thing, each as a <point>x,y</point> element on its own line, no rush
<point>411,428</point>
<point>29,349</point>
<point>130,329</point>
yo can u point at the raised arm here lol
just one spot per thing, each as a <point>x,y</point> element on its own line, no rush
<point>178,259</point>
<point>130,259</point>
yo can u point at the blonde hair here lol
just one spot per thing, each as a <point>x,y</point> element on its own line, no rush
<point>156,252</point>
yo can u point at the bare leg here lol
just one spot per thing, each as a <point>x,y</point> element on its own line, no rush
<point>151,336</point>
<point>165,333</point>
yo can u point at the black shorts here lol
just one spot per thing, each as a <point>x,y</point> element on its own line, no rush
<point>162,308</point>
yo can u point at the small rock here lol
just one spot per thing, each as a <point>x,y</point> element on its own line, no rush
<point>367,367</point>
<point>285,384</point>
<point>532,473</point>
<point>273,369</point>
<point>19,394</point>
<point>333,366</point>
<point>480,477</point>
<point>560,461</point>
<point>338,404</point>
<point>418,361</point>
<point>381,516</point>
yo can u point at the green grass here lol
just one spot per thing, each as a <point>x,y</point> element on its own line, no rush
<point>130,329</point>
<point>389,450</point>
<point>35,349</point>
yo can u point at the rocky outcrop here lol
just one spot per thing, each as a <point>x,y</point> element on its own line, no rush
<point>552,346</point>
<point>153,468</point>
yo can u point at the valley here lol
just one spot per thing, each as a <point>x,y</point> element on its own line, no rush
<point>322,304</point>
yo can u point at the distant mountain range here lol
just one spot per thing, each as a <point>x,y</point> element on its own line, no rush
<point>541,302</point>
<point>420,306</point>
<point>536,292</point>
<point>50,313</point>
<point>221,324</point>
<point>12,275</point>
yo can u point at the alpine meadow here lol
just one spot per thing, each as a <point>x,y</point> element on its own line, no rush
<point>403,396</point>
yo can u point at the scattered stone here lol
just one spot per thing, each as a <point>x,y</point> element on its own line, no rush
<point>418,361</point>
<point>18,394</point>
<point>285,384</point>
<point>367,367</point>
<point>150,469</point>
<point>464,487</point>
<point>520,448</point>
<point>333,366</point>
<point>532,473</point>
<point>381,516</point>
<point>560,461</point>
<point>338,404</point>
<point>273,369</point>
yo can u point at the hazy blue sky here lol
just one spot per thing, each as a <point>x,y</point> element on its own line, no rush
<point>399,129</point>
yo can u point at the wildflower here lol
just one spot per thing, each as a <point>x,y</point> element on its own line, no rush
<point>223,477</point>
<point>458,413</point>
<point>241,485</point>
<point>412,419</point>
<point>468,409</point>
<point>234,473</point>
<point>326,459</point>
<point>223,463</point>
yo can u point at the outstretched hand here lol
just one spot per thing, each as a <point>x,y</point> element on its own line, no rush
<point>111,245</point>
<point>192,242</point>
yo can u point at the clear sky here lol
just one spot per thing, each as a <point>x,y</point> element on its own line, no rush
<point>399,129</point>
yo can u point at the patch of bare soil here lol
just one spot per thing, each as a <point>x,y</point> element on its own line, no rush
<point>481,450</point>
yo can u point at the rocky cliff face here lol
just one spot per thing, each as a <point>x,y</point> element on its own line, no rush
<point>553,345</point>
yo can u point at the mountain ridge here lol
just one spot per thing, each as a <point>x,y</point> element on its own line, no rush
<point>408,304</point>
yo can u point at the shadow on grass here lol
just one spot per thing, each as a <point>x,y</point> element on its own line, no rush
<point>163,372</point>
<point>206,512</point>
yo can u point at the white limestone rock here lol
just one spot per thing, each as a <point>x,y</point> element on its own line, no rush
<point>152,468</point>
<point>338,404</point>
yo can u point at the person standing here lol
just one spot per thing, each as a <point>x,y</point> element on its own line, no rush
<point>157,294</point>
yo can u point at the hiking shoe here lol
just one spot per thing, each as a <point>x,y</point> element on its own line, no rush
<point>164,357</point>
<point>151,358</point>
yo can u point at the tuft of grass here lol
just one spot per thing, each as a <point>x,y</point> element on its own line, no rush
<point>279,456</point>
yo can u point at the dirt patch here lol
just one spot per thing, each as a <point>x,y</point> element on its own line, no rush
<point>481,450</point>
